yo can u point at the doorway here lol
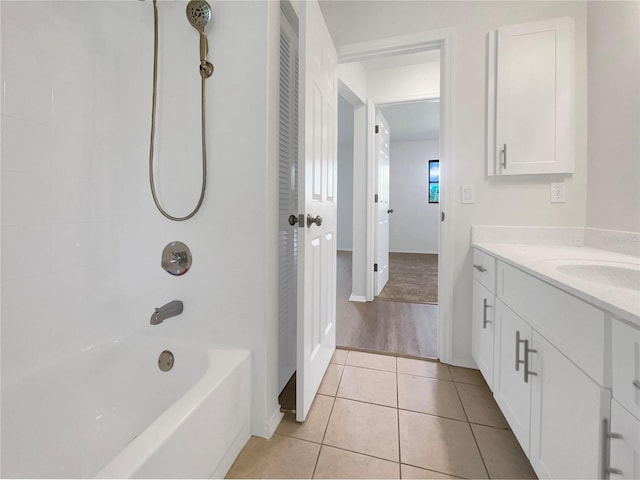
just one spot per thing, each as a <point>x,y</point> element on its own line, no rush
<point>401,315</point>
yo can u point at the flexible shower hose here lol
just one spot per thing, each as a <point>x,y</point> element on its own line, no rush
<point>153,129</point>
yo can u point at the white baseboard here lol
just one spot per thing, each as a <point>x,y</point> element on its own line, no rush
<point>357,298</point>
<point>274,421</point>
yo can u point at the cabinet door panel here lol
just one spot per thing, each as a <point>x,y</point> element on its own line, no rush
<point>534,98</point>
<point>626,366</point>
<point>510,390</point>
<point>483,330</point>
<point>625,451</point>
<point>565,416</point>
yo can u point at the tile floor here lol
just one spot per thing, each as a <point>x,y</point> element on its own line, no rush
<point>378,416</point>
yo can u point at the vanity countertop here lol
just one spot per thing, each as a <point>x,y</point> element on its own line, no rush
<point>608,280</point>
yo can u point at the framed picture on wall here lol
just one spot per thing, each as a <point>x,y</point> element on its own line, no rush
<point>434,181</point>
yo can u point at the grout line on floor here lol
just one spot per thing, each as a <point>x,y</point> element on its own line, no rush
<point>359,453</point>
<point>432,470</point>
<point>398,420</point>
<point>484,464</point>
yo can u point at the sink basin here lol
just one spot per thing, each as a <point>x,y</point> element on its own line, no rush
<point>620,275</point>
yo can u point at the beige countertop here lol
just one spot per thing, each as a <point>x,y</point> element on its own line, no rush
<point>608,280</point>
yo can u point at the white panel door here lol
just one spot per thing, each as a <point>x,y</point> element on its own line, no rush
<point>382,206</point>
<point>317,200</point>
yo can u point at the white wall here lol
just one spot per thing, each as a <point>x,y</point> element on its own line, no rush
<point>414,225</point>
<point>501,201</point>
<point>613,30</point>
<point>81,237</point>
<point>345,176</point>
<point>405,81</point>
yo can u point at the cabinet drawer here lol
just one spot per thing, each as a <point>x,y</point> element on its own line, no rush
<point>624,460</point>
<point>484,269</point>
<point>574,327</point>
<point>626,366</point>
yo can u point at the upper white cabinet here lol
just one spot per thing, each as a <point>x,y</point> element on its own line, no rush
<point>530,99</point>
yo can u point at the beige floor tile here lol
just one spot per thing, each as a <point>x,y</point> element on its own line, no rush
<point>336,463</point>
<point>368,385</point>
<point>480,406</point>
<point>315,424</point>
<point>439,444</point>
<point>423,368</point>
<point>467,375</point>
<point>372,360</point>
<point>502,453</point>
<point>331,380</point>
<point>407,471</point>
<point>429,395</point>
<point>279,457</point>
<point>364,428</point>
<point>340,356</point>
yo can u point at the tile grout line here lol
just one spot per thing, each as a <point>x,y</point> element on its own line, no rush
<point>333,404</point>
<point>484,464</point>
<point>398,421</point>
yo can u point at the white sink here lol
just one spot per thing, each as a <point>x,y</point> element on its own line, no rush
<point>613,274</point>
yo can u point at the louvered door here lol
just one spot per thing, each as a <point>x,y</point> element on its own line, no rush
<point>288,202</point>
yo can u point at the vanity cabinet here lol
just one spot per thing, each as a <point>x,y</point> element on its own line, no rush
<point>484,267</point>
<point>548,372</point>
<point>624,433</point>
<point>530,115</point>
<point>624,444</point>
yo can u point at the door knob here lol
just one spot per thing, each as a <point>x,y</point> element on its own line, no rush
<point>390,210</point>
<point>293,219</point>
<point>317,220</point>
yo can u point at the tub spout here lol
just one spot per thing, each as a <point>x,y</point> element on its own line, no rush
<point>169,310</point>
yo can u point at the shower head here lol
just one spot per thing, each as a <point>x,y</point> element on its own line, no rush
<point>198,14</point>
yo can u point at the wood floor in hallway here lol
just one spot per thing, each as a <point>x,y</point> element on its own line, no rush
<point>398,328</point>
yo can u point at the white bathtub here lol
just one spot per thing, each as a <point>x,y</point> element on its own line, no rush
<point>109,411</point>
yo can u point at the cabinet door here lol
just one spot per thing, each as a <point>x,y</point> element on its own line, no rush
<point>626,366</point>
<point>511,392</point>
<point>625,449</point>
<point>483,330</point>
<point>566,416</point>
<point>534,98</point>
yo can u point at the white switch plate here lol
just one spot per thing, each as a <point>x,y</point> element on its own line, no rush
<point>467,194</point>
<point>557,193</point>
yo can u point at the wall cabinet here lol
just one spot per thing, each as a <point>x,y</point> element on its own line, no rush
<point>530,114</point>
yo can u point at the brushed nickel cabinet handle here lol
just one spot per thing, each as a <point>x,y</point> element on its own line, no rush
<point>485,306</point>
<point>636,383</point>
<point>504,156</point>
<point>480,268</point>
<point>527,351</point>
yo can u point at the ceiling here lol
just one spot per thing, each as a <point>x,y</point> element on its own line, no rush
<point>409,122</point>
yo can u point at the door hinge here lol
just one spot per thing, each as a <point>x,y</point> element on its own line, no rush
<point>375,198</point>
<point>377,128</point>
<point>375,267</point>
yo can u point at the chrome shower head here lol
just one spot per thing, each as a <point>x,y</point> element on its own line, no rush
<point>198,14</point>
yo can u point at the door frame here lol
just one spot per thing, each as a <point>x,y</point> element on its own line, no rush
<point>442,39</point>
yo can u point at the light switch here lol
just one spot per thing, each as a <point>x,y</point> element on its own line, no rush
<point>467,194</point>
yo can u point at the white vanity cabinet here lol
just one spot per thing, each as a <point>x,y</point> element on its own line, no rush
<point>549,373</point>
<point>484,267</point>
<point>530,98</point>
<point>624,438</point>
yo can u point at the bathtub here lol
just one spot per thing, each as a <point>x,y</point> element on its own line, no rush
<point>110,412</point>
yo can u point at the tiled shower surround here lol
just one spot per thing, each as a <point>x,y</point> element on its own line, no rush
<point>81,237</point>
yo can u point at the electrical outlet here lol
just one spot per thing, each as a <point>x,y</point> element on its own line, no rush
<point>557,193</point>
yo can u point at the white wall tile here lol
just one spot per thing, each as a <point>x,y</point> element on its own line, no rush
<point>25,146</point>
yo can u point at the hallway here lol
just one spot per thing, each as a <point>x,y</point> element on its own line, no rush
<point>408,329</point>
<point>378,416</point>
